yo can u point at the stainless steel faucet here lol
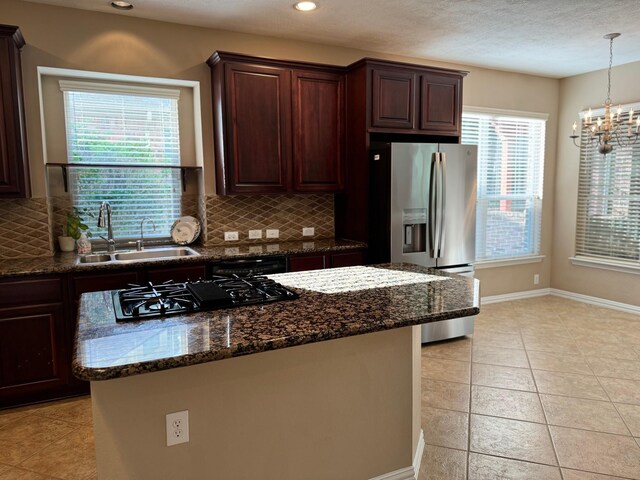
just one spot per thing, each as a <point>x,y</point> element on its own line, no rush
<point>105,207</point>
<point>140,243</point>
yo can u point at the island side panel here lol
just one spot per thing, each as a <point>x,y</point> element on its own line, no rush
<point>341,409</point>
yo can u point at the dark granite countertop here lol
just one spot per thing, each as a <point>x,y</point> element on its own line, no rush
<point>333,303</point>
<point>67,262</point>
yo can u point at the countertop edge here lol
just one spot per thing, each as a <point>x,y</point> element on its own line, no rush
<point>132,369</point>
<point>62,263</point>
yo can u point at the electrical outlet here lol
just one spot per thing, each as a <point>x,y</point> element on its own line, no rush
<point>536,279</point>
<point>273,247</point>
<point>255,249</point>
<point>253,234</point>
<point>177,428</point>
<point>273,233</point>
<point>308,232</point>
<point>230,236</point>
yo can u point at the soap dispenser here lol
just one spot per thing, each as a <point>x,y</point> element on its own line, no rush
<point>84,244</point>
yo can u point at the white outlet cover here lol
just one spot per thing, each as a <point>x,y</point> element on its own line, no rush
<point>230,236</point>
<point>308,231</point>
<point>273,233</point>
<point>177,428</point>
<point>253,234</point>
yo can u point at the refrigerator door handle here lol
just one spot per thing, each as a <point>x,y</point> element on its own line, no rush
<point>433,206</point>
<point>443,196</point>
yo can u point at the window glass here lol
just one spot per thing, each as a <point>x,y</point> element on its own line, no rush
<point>121,125</point>
<point>608,216</point>
<point>510,170</point>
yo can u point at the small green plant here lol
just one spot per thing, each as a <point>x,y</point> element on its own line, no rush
<point>75,225</point>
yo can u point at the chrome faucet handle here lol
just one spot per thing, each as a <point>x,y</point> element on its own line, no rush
<point>111,244</point>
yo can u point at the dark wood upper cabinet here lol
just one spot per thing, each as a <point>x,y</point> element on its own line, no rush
<point>441,103</point>
<point>411,99</point>
<point>258,133</point>
<point>318,131</point>
<point>393,99</point>
<point>14,166</point>
<point>278,125</point>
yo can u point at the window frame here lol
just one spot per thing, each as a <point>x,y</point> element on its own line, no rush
<point>604,262</point>
<point>123,82</point>
<point>536,256</point>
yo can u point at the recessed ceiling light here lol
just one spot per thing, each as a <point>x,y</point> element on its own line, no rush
<point>305,6</point>
<point>121,5</point>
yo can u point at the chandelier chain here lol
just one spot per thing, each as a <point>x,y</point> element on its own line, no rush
<point>609,72</point>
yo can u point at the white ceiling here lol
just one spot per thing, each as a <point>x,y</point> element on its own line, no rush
<point>556,38</point>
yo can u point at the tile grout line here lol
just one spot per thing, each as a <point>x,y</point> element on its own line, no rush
<point>607,394</point>
<point>544,413</point>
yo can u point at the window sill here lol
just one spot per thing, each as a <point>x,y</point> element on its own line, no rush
<point>507,262</point>
<point>606,264</point>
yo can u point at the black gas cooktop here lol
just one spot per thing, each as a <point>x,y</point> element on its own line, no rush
<point>168,298</point>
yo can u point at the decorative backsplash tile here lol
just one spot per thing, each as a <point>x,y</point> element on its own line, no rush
<point>25,229</point>
<point>287,213</point>
<point>30,227</point>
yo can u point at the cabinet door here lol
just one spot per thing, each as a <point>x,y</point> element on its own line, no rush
<point>441,103</point>
<point>14,166</point>
<point>318,131</point>
<point>393,99</point>
<point>258,136</point>
<point>33,360</point>
<point>347,259</point>
<point>306,262</point>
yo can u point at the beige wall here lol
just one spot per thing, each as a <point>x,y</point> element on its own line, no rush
<point>341,409</point>
<point>576,94</point>
<point>77,39</point>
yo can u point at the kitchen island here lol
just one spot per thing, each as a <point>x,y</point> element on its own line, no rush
<point>344,402</point>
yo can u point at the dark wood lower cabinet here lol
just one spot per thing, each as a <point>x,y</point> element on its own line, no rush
<point>316,261</point>
<point>33,347</point>
<point>38,316</point>
<point>347,259</point>
<point>301,263</point>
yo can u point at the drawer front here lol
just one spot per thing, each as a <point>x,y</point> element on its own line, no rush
<point>31,291</point>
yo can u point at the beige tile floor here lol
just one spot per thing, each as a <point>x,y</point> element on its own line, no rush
<point>547,389</point>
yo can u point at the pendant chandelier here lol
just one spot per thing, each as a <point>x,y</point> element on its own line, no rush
<point>609,127</point>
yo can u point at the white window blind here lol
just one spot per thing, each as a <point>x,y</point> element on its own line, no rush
<point>608,217</point>
<point>510,174</point>
<point>121,125</point>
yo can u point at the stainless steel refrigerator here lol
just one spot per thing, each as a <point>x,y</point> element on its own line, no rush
<point>423,211</point>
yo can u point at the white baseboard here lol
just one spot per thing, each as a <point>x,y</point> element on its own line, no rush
<point>407,473</point>
<point>602,302</point>
<point>541,292</point>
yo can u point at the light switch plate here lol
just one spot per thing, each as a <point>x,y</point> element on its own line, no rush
<point>253,234</point>
<point>273,233</point>
<point>308,231</point>
<point>230,236</point>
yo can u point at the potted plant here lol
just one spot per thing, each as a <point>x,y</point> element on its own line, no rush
<point>72,230</point>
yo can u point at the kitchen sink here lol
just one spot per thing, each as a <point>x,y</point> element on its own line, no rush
<point>135,255</point>
<point>95,258</point>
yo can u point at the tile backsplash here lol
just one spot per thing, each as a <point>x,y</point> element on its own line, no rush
<point>30,227</point>
<point>287,213</point>
<point>25,230</point>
